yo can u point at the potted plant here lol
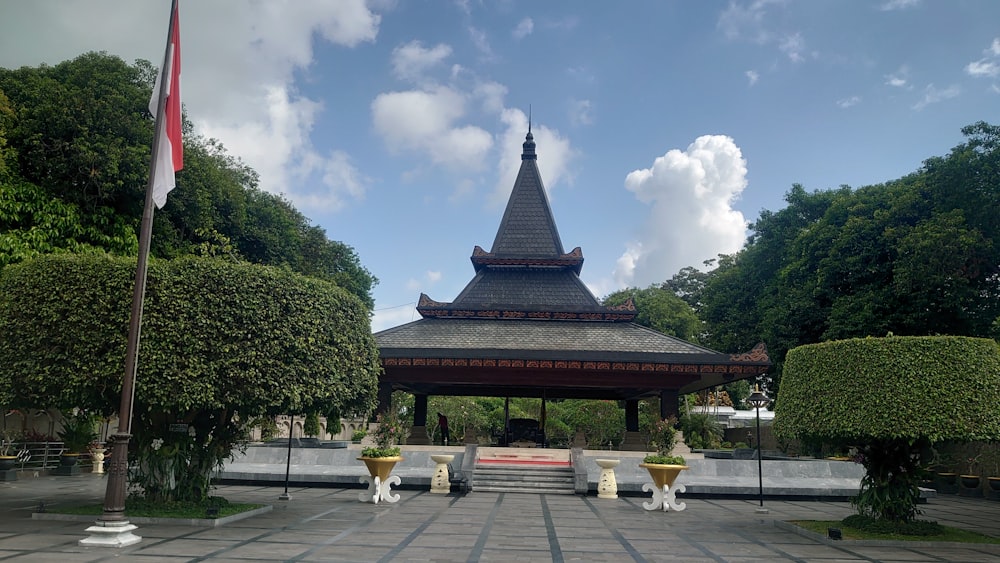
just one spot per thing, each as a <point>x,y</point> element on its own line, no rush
<point>970,479</point>
<point>76,435</point>
<point>662,466</point>
<point>381,458</point>
<point>7,438</point>
<point>97,455</point>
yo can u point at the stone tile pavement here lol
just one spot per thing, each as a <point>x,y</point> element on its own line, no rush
<point>330,524</point>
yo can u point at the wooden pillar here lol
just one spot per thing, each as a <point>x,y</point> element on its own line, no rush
<point>542,424</point>
<point>384,397</point>
<point>634,441</point>
<point>418,433</point>
<point>668,404</point>
<point>506,421</point>
<point>631,415</point>
<point>420,410</point>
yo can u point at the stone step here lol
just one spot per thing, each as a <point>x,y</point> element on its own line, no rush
<point>499,478</point>
<point>540,491</point>
<point>523,478</point>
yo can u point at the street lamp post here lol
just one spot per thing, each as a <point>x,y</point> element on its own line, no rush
<point>759,400</point>
<point>288,460</point>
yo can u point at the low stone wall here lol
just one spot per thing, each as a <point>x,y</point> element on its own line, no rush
<point>706,477</point>
<point>727,477</point>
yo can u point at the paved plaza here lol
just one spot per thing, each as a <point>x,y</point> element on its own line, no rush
<point>330,524</point>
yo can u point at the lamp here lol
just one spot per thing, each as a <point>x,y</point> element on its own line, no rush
<point>288,460</point>
<point>759,400</point>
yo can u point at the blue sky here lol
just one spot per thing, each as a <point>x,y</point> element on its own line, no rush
<point>662,127</point>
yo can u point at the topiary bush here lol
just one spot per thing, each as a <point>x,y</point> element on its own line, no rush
<point>891,398</point>
<point>223,345</point>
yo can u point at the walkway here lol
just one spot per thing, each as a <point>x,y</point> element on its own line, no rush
<point>330,524</point>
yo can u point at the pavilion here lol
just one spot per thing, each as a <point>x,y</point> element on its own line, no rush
<point>527,326</point>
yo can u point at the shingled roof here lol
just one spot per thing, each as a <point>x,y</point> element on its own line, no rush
<point>526,320</point>
<point>526,274</point>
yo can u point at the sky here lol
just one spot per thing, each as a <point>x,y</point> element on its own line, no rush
<point>663,128</point>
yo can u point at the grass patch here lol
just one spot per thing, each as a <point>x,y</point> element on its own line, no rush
<point>948,534</point>
<point>140,508</point>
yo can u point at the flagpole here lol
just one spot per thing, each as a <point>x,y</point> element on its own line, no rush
<point>114,498</point>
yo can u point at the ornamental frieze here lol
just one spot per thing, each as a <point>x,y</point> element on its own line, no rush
<point>725,369</point>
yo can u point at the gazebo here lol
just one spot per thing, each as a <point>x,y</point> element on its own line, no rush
<point>527,326</point>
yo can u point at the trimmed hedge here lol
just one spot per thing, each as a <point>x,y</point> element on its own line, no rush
<point>216,335</point>
<point>934,387</point>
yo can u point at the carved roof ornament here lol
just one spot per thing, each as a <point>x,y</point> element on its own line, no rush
<point>757,354</point>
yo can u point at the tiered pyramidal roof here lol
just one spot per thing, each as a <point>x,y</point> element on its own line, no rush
<point>526,325</point>
<point>526,274</point>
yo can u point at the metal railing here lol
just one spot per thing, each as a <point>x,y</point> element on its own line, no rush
<point>43,455</point>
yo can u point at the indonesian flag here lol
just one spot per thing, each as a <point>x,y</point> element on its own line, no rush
<point>170,151</point>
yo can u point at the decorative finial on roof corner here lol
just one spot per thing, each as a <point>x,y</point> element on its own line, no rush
<point>529,142</point>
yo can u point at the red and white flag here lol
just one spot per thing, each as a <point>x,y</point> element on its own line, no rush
<point>170,150</point>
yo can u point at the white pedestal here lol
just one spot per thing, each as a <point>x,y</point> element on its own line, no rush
<point>107,534</point>
<point>379,490</point>
<point>664,499</point>
<point>607,485</point>
<point>439,482</point>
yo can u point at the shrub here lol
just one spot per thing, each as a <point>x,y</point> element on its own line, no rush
<point>891,398</point>
<point>664,435</point>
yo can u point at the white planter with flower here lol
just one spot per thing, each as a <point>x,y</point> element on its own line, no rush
<point>381,459</point>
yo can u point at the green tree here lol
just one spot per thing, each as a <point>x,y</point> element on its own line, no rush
<point>891,398</point>
<point>661,310</point>
<point>78,138</point>
<point>914,256</point>
<point>222,344</point>
<point>311,426</point>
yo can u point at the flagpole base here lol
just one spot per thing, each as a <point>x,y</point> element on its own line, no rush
<point>111,534</point>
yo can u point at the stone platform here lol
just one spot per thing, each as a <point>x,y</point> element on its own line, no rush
<point>786,479</point>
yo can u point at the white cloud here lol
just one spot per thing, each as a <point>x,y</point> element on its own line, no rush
<point>753,22</point>
<point>898,5</point>
<point>554,154</point>
<point>524,28</point>
<point>898,79</point>
<point>394,316</point>
<point>428,279</point>
<point>258,114</point>
<point>492,95</point>
<point>412,60</point>
<point>932,96</point>
<point>982,67</point>
<point>848,102</point>
<point>989,65</point>
<point>793,45</point>
<point>580,112</point>
<point>481,42</point>
<point>690,196</point>
<point>745,21</point>
<point>425,121</point>
<point>752,76</point>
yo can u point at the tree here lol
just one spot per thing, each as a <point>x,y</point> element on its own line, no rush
<point>661,310</point>
<point>78,138</point>
<point>222,344</point>
<point>915,256</point>
<point>311,426</point>
<point>891,398</point>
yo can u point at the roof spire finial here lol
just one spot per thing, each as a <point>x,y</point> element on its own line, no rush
<point>529,142</point>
